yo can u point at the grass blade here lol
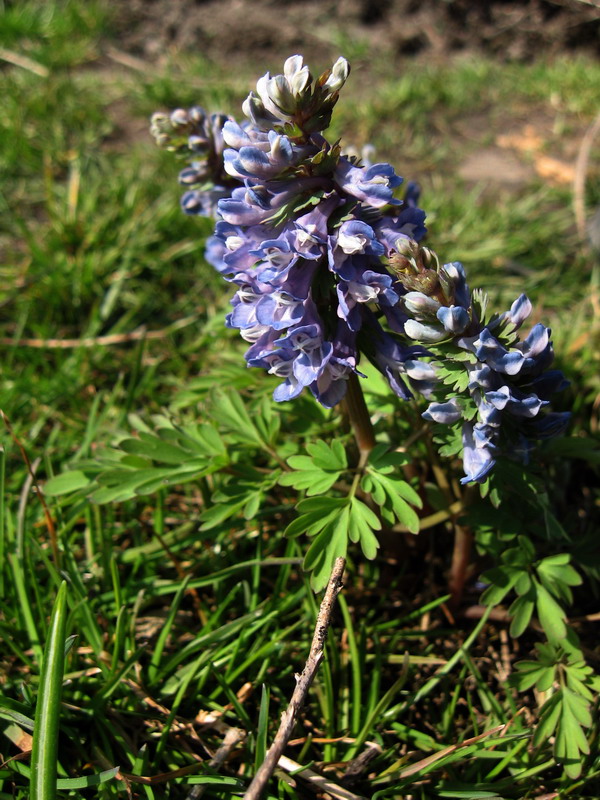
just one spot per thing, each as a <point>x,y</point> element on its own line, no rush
<point>262,729</point>
<point>355,666</point>
<point>47,712</point>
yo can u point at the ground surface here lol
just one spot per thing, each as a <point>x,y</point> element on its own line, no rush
<point>227,30</point>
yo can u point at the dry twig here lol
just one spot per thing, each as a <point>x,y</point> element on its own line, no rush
<point>19,60</point>
<point>303,683</point>
<point>95,341</point>
<point>233,737</point>
<point>33,480</point>
<point>581,169</point>
<point>318,782</point>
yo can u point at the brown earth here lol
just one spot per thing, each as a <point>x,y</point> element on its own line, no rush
<point>229,30</point>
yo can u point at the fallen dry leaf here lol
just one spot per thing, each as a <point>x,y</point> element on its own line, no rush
<point>551,169</point>
<point>528,141</point>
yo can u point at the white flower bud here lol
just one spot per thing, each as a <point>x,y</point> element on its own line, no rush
<point>296,74</point>
<point>419,304</point>
<point>424,333</point>
<point>339,75</point>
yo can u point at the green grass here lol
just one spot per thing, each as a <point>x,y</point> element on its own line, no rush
<point>181,633</point>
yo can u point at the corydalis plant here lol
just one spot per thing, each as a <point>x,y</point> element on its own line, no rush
<point>327,268</point>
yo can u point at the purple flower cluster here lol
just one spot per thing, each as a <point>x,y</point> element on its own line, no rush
<point>322,255</point>
<point>302,238</point>
<point>492,383</point>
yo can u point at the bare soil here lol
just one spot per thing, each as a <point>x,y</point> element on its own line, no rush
<point>227,31</point>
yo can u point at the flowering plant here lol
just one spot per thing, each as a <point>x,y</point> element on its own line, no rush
<point>329,271</point>
<point>328,268</point>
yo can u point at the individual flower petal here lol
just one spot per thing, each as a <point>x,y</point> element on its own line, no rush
<point>338,76</point>
<point>296,74</point>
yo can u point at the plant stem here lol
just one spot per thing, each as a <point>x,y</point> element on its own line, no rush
<point>356,410</point>
<point>461,554</point>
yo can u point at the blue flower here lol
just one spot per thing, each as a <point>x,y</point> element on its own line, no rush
<point>373,185</point>
<point>478,453</point>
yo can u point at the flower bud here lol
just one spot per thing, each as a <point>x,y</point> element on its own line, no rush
<point>338,75</point>
<point>179,118</point>
<point>446,413</point>
<point>280,95</point>
<point>420,370</point>
<point>424,333</point>
<point>422,306</point>
<point>297,75</point>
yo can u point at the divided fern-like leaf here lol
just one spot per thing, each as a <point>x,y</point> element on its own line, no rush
<point>317,472</point>
<point>393,495</point>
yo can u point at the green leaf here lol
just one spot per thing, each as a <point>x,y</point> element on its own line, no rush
<point>579,683</point>
<point>302,464</point>
<point>228,408</point>
<point>559,570</point>
<point>549,717</point>
<point>252,506</point>
<point>381,459</point>
<point>551,614</point>
<point>361,511</point>
<point>523,583</point>
<point>308,524</point>
<point>66,482</point>
<point>361,524</point>
<point>369,544</point>
<point>328,457</point>
<point>389,494</point>
<point>579,708</point>
<point>521,611</point>
<point>323,504</point>
<point>314,481</point>
<point>317,472</point>
<point>330,544</point>
<point>262,727</point>
<point>153,447</point>
<point>571,744</point>
<point>546,679</point>
<point>218,513</point>
<point>527,674</point>
<point>15,712</point>
<point>502,580</point>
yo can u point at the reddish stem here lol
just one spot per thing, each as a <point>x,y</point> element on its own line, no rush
<point>461,555</point>
<point>358,414</point>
